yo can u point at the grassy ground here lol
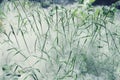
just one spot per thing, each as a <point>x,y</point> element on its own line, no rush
<point>72,42</point>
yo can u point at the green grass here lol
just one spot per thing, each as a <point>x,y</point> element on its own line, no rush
<point>60,43</point>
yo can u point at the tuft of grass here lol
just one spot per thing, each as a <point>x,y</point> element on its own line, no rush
<point>61,43</point>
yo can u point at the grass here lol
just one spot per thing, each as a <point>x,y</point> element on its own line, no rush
<point>59,43</point>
